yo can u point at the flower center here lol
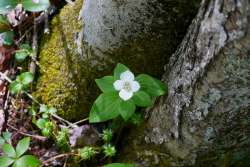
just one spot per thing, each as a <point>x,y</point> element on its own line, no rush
<point>127,86</point>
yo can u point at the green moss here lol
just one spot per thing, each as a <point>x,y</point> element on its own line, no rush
<point>57,84</point>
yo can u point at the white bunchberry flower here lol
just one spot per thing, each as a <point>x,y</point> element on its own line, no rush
<point>127,85</point>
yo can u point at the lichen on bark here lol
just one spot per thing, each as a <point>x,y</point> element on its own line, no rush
<point>225,106</point>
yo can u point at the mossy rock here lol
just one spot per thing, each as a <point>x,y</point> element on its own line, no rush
<point>57,84</point>
<point>70,64</point>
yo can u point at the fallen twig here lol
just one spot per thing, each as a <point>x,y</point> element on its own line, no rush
<point>46,22</point>
<point>4,76</point>
<point>56,157</point>
<point>2,120</point>
<point>63,120</point>
<point>41,138</point>
<point>81,121</point>
<point>34,48</point>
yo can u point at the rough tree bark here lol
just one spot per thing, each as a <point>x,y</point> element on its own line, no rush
<point>204,120</point>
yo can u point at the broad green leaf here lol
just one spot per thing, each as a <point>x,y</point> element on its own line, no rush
<point>41,123</point>
<point>151,85</point>
<point>22,146</point>
<point>8,37</point>
<point>119,165</point>
<point>27,161</point>
<point>142,99</point>
<point>106,84</point>
<point>31,6</point>
<point>5,161</point>
<point>21,55</point>
<point>127,109</point>
<point>15,87</point>
<point>120,68</point>
<point>26,78</point>
<point>7,5</point>
<point>4,24</point>
<point>9,150</point>
<point>105,107</point>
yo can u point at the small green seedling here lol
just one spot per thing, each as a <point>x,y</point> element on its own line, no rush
<point>87,153</point>
<point>107,135</point>
<point>47,111</point>
<point>15,157</point>
<point>62,139</point>
<point>46,126</point>
<point>24,51</point>
<point>21,82</point>
<point>44,123</point>
<point>109,150</point>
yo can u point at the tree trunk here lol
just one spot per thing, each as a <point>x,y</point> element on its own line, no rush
<point>204,119</point>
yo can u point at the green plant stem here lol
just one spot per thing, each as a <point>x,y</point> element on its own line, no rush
<point>120,124</point>
<point>31,97</point>
<point>34,48</point>
<point>63,120</point>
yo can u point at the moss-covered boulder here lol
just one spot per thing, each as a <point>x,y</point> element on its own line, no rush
<point>141,34</point>
<point>60,68</point>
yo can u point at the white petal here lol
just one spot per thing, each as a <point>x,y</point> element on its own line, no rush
<point>135,86</point>
<point>127,76</point>
<point>125,95</point>
<point>118,84</point>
